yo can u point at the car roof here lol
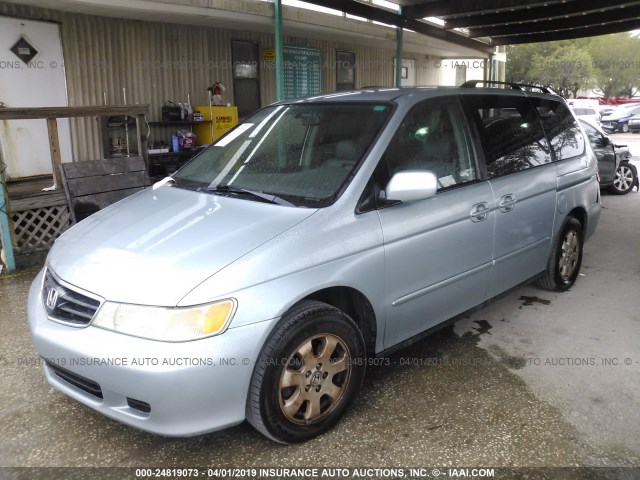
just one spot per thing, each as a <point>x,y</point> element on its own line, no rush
<point>411,94</point>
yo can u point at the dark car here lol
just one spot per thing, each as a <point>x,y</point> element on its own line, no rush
<point>614,169</point>
<point>618,120</point>
<point>634,124</point>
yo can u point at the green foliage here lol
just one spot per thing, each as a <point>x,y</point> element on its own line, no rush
<point>566,70</point>
<point>615,58</point>
<point>608,63</point>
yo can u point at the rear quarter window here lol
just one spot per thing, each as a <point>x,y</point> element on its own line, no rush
<point>561,127</point>
<point>510,133</point>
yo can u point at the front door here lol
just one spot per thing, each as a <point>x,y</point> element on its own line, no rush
<point>437,251</point>
<point>605,152</point>
<point>31,75</point>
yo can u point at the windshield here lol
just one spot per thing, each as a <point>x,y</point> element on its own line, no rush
<point>299,154</point>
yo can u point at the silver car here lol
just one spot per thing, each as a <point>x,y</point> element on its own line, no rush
<point>260,280</point>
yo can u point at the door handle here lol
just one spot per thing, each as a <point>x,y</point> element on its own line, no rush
<point>479,212</point>
<point>507,203</point>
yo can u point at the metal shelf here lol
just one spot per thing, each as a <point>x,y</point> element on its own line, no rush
<point>179,122</point>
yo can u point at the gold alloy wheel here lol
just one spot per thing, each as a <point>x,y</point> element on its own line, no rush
<point>569,254</point>
<point>314,379</point>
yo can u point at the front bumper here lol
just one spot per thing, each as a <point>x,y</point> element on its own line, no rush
<point>190,387</point>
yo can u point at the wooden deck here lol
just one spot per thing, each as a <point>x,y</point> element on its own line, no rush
<point>28,195</point>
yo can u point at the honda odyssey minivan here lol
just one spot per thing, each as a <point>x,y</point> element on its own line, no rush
<point>260,279</point>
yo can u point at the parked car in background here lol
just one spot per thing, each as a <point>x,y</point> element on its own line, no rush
<point>605,110</point>
<point>634,124</point>
<point>583,102</point>
<point>587,113</point>
<point>618,120</point>
<point>614,169</point>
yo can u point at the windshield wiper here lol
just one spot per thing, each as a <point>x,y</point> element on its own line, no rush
<point>266,197</point>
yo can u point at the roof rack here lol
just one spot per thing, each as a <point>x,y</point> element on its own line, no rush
<point>515,86</point>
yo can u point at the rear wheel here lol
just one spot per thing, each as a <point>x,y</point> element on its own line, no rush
<point>308,372</point>
<point>625,179</point>
<point>565,259</point>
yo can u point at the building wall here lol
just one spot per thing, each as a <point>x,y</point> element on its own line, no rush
<point>155,62</point>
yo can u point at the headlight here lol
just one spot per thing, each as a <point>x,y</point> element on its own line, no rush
<point>166,324</point>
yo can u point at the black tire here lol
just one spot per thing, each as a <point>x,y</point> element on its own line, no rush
<point>291,399</point>
<point>625,179</point>
<point>624,128</point>
<point>565,259</point>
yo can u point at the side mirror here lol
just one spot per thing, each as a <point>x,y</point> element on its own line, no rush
<point>411,185</point>
<point>604,141</point>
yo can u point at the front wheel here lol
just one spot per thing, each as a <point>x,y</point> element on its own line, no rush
<point>565,259</point>
<point>308,372</point>
<point>625,179</point>
<point>624,128</point>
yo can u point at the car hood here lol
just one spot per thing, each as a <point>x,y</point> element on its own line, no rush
<point>154,247</point>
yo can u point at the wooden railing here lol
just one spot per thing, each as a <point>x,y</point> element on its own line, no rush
<point>50,114</point>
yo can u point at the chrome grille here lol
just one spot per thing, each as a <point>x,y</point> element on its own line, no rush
<point>65,305</point>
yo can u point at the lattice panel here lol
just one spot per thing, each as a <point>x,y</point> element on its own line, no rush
<point>37,229</point>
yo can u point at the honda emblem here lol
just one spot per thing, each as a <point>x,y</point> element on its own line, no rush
<point>52,299</point>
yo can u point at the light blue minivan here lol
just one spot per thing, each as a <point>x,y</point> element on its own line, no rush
<point>260,279</point>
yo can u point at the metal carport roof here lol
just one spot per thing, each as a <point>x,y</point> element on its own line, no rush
<point>483,24</point>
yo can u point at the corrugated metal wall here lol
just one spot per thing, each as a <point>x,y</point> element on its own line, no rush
<point>156,62</point>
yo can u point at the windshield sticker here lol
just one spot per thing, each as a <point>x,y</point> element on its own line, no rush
<point>227,139</point>
<point>446,181</point>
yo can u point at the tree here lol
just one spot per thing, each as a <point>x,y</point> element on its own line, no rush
<point>567,70</point>
<point>564,65</point>
<point>608,63</point>
<point>615,58</point>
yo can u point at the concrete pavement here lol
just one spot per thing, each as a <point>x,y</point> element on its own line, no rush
<point>529,380</point>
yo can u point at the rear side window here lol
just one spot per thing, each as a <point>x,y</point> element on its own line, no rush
<point>592,133</point>
<point>561,128</point>
<point>511,135</point>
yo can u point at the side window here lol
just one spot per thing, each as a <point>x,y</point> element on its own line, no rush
<point>511,135</point>
<point>592,133</point>
<point>561,128</point>
<point>432,137</point>
<point>345,70</point>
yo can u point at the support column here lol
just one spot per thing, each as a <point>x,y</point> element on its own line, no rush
<point>141,131</point>
<point>490,73</point>
<point>54,147</point>
<point>5,228</point>
<point>399,41</point>
<point>279,55</point>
